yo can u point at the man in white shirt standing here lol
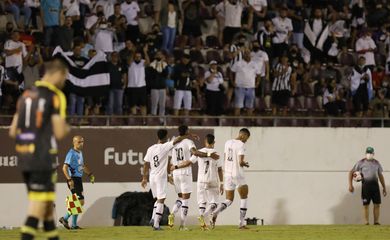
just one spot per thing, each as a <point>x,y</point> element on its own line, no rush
<point>234,176</point>
<point>246,80</point>
<point>136,83</point>
<point>156,160</point>
<point>130,9</point>
<point>210,180</point>
<point>258,12</point>
<point>361,87</point>
<point>16,53</point>
<point>233,13</point>
<point>365,46</point>
<point>283,29</point>
<point>182,177</point>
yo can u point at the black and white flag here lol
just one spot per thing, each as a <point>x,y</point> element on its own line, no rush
<point>91,80</point>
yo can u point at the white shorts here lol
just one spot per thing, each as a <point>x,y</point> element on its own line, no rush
<point>182,96</point>
<point>232,183</point>
<point>159,187</point>
<point>207,194</point>
<point>183,183</point>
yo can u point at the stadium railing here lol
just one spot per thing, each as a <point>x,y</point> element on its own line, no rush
<point>260,121</point>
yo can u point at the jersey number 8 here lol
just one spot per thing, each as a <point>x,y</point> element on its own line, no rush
<point>156,163</point>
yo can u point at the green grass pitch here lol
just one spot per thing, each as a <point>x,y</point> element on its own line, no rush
<point>297,232</point>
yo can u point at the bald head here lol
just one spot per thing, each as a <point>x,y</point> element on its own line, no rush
<point>78,143</point>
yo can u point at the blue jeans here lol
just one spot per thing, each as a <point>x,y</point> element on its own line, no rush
<point>76,105</point>
<point>115,102</point>
<point>169,35</point>
<point>15,11</point>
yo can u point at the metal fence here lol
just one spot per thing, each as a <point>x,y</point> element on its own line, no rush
<point>259,121</point>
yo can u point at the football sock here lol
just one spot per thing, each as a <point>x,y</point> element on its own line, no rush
<point>243,209</point>
<point>211,208</point>
<point>67,216</point>
<point>50,230</point>
<point>158,216</point>
<point>30,228</point>
<point>202,209</point>
<point>184,212</point>
<point>74,220</point>
<point>154,211</point>
<point>222,206</point>
<point>177,206</point>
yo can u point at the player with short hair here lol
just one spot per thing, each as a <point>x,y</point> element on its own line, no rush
<point>234,176</point>
<point>73,169</point>
<point>182,178</point>
<point>370,169</point>
<point>37,125</point>
<point>210,179</point>
<point>156,160</point>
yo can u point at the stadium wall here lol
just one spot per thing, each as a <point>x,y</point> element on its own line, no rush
<point>296,175</point>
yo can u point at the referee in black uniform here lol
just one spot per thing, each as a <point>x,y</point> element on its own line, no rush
<point>371,170</point>
<point>37,124</point>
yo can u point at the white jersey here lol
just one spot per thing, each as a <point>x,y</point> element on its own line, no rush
<point>157,156</point>
<point>180,153</point>
<point>207,167</point>
<point>233,150</point>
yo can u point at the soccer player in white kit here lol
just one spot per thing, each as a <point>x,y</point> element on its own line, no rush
<point>210,179</point>
<point>182,178</point>
<point>234,176</point>
<point>156,159</point>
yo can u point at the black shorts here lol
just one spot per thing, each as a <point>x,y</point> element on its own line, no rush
<point>40,185</point>
<point>192,30</point>
<point>281,98</point>
<point>360,99</point>
<point>137,96</point>
<point>371,192</point>
<point>78,187</point>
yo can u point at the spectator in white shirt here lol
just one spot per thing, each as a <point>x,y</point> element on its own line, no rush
<point>262,58</point>
<point>332,99</point>
<point>214,90</point>
<point>365,46</point>
<point>130,9</point>
<point>16,53</point>
<point>246,79</point>
<point>104,37</point>
<point>361,87</point>
<point>136,82</point>
<point>283,29</point>
<point>257,13</point>
<point>169,24</point>
<point>31,69</point>
<point>233,13</point>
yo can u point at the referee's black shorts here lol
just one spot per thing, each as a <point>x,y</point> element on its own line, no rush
<point>371,192</point>
<point>78,187</point>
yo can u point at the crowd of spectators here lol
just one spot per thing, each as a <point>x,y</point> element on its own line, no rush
<point>214,57</point>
